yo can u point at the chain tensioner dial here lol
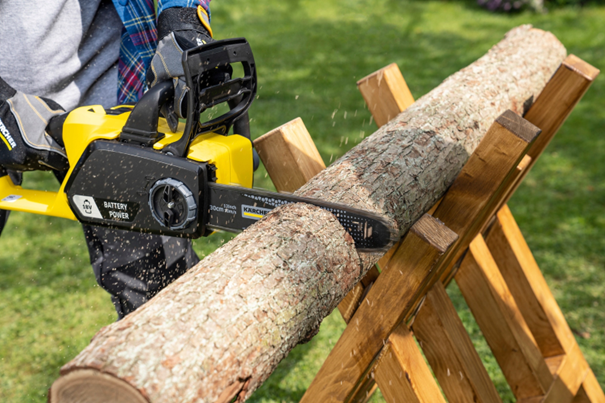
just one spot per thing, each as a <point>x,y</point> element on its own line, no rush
<point>172,203</point>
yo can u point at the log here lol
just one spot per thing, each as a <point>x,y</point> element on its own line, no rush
<point>216,333</point>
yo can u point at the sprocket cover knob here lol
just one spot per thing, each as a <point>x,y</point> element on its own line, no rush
<point>172,203</point>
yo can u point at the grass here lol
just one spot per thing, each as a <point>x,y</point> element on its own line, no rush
<point>309,55</point>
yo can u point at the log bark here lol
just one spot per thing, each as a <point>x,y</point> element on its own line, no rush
<point>218,332</point>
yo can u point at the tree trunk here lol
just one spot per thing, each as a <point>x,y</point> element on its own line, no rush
<point>220,330</point>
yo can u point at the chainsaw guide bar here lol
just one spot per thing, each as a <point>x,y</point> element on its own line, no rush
<point>233,208</point>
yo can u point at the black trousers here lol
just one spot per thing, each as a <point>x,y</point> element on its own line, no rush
<point>130,266</point>
<point>133,267</point>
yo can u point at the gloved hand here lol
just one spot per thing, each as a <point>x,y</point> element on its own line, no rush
<point>24,143</point>
<point>179,29</point>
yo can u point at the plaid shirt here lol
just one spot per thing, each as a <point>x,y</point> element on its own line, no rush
<point>139,41</point>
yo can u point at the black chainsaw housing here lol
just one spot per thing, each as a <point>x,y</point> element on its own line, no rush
<point>116,185</point>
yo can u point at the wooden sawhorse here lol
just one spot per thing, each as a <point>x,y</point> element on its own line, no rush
<point>470,236</point>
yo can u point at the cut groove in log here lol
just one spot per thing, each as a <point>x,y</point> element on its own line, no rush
<point>239,312</point>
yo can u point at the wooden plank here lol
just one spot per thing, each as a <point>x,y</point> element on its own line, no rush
<point>450,351</point>
<point>350,360</point>
<point>484,181</point>
<point>368,387</point>
<point>383,262</point>
<point>530,160</point>
<point>549,111</point>
<point>386,93</point>
<point>501,322</point>
<point>487,216</point>
<point>533,296</point>
<point>349,304</point>
<point>289,155</point>
<point>539,307</point>
<point>528,286</point>
<point>370,277</point>
<point>557,100</point>
<point>581,396</point>
<point>592,389</point>
<point>554,104</point>
<point>479,187</point>
<point>569,377</point>
<point>402,373</point>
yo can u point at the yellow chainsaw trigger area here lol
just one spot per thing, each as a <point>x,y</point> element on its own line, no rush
<point>13,197</point>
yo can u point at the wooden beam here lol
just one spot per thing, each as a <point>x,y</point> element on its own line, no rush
<point>402,374</point>
<point>569,377</point>
<point>386,93</point>
<point>528,286</point>
<point>536,302</point>
<point>289,155</point>
<point>560,98</point>
<point>450,351</point>
<point>554,104</point>
<point>487,215</point>
<point>562,92</point>
<point>557,100</point>
<point>485,180</point>
<point>496,157</point>
<point>591,389</point>
<point>501,322</point>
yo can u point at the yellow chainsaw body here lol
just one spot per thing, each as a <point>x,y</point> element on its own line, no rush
<point>230,155</point>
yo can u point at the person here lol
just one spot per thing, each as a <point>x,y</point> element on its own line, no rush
<point>70,53</point>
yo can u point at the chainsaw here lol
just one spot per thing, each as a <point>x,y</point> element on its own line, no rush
<point>130,168</point>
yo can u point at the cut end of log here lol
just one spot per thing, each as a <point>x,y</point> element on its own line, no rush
<point>92,386</point>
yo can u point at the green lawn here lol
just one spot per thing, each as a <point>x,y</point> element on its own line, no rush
<point>309,55</point>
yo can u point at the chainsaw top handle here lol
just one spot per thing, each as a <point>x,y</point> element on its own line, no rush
<point>198,63</point>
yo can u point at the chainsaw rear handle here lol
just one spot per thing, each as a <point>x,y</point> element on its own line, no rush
<point>238,93</point>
